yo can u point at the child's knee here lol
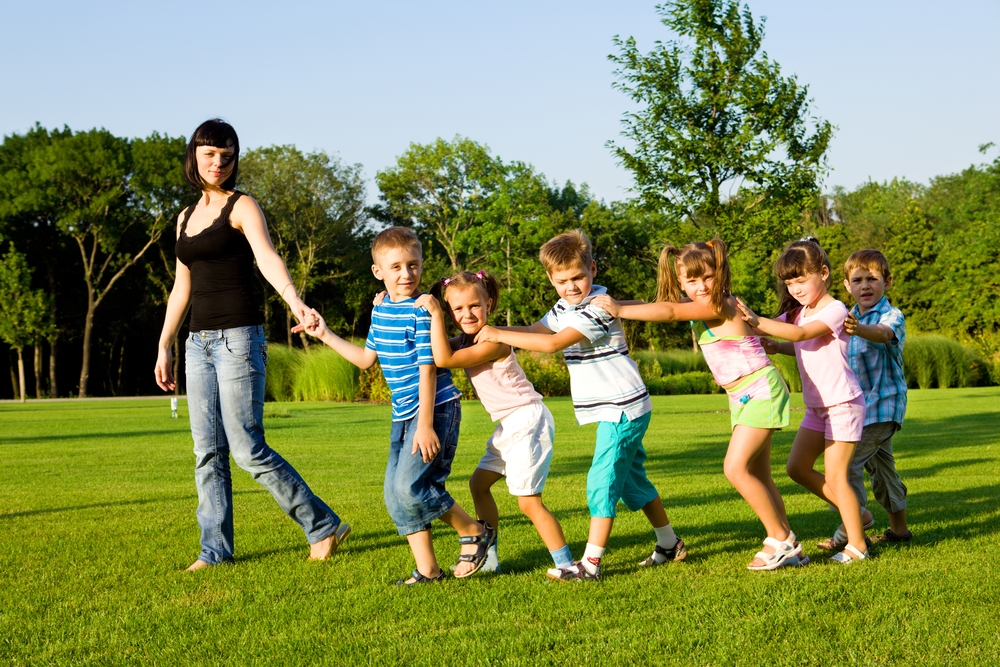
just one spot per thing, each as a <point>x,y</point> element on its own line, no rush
<point>530,505</point>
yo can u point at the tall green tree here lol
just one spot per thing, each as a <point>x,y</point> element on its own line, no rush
<point>24,312</point>
<point>720,137</point>
<point>314,206</point>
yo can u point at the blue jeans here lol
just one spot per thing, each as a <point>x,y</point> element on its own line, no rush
<point>414,490</point>
<point>225,382</point>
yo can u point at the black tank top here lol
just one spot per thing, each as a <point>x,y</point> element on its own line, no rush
<point>223,294</point>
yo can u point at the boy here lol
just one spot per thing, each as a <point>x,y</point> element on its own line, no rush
<point>876,356</point>
<point>607,389</point>
<point>426,411</point>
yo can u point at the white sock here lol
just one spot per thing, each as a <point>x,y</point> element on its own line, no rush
<point>492,563</point>
<point>665,538</point>
<point>592,556</point>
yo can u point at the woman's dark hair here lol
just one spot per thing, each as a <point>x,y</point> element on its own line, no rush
<point>220,134</point>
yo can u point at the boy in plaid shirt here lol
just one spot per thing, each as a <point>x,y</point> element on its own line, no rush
<point>875,353</point>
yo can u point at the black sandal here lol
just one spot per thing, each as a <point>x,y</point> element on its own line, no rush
<point>420,579</point>
<point>483,541</point>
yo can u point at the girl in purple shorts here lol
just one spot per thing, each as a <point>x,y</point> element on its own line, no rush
<point>812,323</point>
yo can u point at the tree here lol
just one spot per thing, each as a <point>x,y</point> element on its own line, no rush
<point>314,206</point>
<point>721,137</point>
<point>441,190</point>
<point>23,311</point>
<point>85,179</point>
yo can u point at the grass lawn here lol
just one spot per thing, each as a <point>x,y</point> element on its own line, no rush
<point>97,506</point>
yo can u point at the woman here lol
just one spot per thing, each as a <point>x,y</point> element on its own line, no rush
<point>218,239</point>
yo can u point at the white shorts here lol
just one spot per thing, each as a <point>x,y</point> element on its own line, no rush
<point>521,449</point>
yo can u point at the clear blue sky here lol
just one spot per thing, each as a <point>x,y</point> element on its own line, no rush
<point>911,85</point>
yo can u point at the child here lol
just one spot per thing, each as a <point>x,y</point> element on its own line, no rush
<point>758,397</point>
<point>520,448</point>
<point>835,407</point>
<point>426,411</point>
<point>607,389</point>
<point>875,352</point>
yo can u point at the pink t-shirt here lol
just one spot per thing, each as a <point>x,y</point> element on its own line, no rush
<point>502,386</point>
<point>827,378</point>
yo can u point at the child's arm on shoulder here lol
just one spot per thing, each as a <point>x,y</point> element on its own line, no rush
<point>772,346</point>
<point>425,440</point>
<point>361,357</point>
<point>876,333</point>
<point>790,332</point>
<point>528,340</point>
<point>662,311</point>
<point>445,354</point>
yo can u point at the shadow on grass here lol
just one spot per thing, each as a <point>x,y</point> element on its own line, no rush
<point>117,503</point>
<point>117,435</point>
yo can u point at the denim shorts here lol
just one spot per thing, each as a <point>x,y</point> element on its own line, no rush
<point>414,491</point>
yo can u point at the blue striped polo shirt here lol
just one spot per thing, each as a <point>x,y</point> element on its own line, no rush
<point>603,378</point>
<point>879,366</point>
<point>400,335</point>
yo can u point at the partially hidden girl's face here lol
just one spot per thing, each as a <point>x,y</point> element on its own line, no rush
<point>469,308</point>
<point>697,289</point>
<point>808,289</point>
<point>215,163</point>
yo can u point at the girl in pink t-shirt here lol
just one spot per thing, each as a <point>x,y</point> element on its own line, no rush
<point>520,448</point>
<point>812,322</point>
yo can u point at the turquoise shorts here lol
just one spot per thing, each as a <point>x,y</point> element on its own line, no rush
<point>618,471</point>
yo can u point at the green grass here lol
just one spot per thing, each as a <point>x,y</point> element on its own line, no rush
<point>97,518</point>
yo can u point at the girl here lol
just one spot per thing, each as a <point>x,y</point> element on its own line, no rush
<point>219,238</point>
<point>812,322</point>
<point>758,397</point>
<point>520,448</point>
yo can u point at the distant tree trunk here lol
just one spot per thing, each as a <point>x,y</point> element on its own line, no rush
<point>13,380</point>
<point>288,326</point>
<point>694,341</point>
<point>53,387</point>
<point>20,371</point>
<point>38,369</point>
<point>177,367</point>
<point>88,327</point>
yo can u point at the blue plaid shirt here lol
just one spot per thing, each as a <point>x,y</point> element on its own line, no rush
<point>879,366</point>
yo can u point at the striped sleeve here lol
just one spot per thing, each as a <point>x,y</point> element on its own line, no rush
<point>422,339</point>
<point>592,322</point>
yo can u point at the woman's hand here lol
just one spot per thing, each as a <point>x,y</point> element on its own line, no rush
<point>428,302</point>
<point>748,315</point>
<point>313,324</point>
<point>164,369</point>
<point>606,303</point>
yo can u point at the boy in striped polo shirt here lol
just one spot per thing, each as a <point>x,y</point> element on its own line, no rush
<point>426,410</point>
<point>875,352</point>
<point>607,389</point>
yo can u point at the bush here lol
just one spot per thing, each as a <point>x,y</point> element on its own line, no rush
<point>654,364</point>
<point>695,382</point>
<point>372,387</point>
<point>547,372</point>
<point>324,375</point>
<point>935,361</point>
<point>788,368</point>
<point>282,365</point>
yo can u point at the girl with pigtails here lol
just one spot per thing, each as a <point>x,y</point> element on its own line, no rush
<point>758,397</point>
<point>520,448</point>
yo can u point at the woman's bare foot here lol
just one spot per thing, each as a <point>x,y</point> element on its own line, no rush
<point>198,565</point>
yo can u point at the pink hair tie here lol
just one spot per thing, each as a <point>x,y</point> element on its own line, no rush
<point>480,274</point>
<point>445,282</point>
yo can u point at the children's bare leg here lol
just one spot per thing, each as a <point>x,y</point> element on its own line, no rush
<point>655,513</point>
<point>423,553</point>
<point>544,521</point>
<point>836,460</point>
<point>748,469</point>
<point>600,530</point>
<point>480,483</point>
<point>466,526</point>
<point>897,523</point>
<point>806,449</point>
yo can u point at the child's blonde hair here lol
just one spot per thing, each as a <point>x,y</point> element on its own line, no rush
<point>395,237</point>
<point>488,285</point>
<point>869,259</point>
<point>800,258</point>
<point>567,250</point>
<point>695,258</point>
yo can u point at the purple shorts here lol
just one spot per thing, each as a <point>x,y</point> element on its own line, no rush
<point>842,422</point>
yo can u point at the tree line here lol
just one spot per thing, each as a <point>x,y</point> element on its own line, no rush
<point>721,144</point>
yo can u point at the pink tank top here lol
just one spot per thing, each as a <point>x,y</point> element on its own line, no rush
<point>502,386</point>
<point>730,357</point>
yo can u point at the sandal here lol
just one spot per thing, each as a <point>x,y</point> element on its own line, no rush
<point>420,579</point>
<point>893,538</point>
<point>845,558</point>
<point>839,539</point>
<point>674,554</point>
<point>784,553</point>
<point>483,541</point>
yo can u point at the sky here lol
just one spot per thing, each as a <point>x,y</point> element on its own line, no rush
<point>911,85</point>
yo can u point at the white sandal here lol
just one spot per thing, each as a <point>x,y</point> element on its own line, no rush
<point>784,552</point>
<point>839,539</point>
<point>845,558</point>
